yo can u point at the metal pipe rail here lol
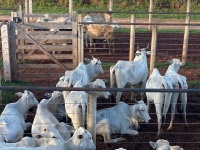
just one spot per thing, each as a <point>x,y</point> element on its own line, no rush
<point>44,88</point>
<point>155,23</point>
<point>132,12</point>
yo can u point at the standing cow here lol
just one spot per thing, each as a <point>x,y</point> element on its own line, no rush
<point>160,99</point>
<point>177,79</point>
<point>130,72</point>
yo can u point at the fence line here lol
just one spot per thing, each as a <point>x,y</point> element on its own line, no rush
<point>40,88</point>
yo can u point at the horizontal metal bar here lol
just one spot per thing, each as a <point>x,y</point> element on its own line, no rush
<point>155,23</point>
<point>42,88</point>
<point>132,12</point>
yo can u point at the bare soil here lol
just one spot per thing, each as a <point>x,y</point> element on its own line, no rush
<point>169,46</point>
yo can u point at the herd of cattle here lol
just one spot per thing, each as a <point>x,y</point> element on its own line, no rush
<point>47,130</point>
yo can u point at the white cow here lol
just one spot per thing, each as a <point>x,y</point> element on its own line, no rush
<point>122,118</point>
<point>76,102</point>
<point>81,140</point>
<point>130,72</point>
<point>162,144</point>
<point>172,73</point>
<point>160,99</point>
<point>84,73</point>
<point>56,104</point>
<point>49,131</point>
<point>12,119</point>
<point>44,117</point>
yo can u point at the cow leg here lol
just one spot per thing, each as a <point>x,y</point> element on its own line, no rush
<point>130,132</point>
<point>159,117</point>
<point>173,108</point>
<point>119,94</point>
<point>183,106</point>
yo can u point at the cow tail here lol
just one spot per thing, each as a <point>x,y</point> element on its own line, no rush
<point>183,95</point>
<point>112,76</point>
<point>167,101</point>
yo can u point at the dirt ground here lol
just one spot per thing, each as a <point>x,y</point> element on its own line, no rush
<point>169,46</point>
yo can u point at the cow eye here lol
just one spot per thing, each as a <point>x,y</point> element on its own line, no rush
<point>141,110</point>
<point>54,137</point>
<point>80,136</point>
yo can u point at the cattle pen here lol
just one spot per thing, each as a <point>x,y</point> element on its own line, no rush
<point>165,46</point>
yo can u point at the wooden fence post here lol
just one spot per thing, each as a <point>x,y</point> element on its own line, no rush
<point>91,115</point>
<point>75,38</point>
<point>132,38</point>
<point>186,33</point>
<point>13,51</point>
<point>6,52</point>
<point>27,10</point>
<point>153,49</point>
<point>111,9</point>
<point>150,15</point>
<point>70,6</point>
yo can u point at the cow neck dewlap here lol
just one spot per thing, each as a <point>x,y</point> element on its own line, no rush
<point>90,72</point>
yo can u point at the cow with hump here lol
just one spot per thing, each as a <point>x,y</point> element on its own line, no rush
<point>181,82</point>
<point>160,99</point>
<point>12,119</point>
<point>130,72</point>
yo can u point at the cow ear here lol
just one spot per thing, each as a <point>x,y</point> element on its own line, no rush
<point>170,61</point>
<point>182,63</point>
<point>153,144</point>
<point>80,136</point>
<point>147,46</point>
<point>19,94</point>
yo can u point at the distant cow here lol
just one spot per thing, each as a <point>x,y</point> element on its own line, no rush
<point>97,17</point>
<point>122,118</point>
<point>44,117</point>
<point>162,144</point>
<point>12,119</point>
<point>130,72</point>
<point>172,73</point>
<point>161,100</point>
<point>105,32</point>
<point>81,140</point>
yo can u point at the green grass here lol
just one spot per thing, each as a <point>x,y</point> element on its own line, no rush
<point>9,95</point>
<point>194,84</point>
<point>164,31</point>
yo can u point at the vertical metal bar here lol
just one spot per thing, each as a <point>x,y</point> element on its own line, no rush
<point>153,49</point>
<point>132,38</point>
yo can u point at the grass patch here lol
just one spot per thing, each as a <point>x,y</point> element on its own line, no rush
<point>164,31</point>
<point>194,84</point>
<point>9,95</point>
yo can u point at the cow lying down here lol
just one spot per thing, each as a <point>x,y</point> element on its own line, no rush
<point>122,118</point>
<point>162,144</point>
<point>81,140</point>
<point>12,119</point>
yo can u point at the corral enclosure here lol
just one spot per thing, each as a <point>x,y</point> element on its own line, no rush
<point>169,46</point>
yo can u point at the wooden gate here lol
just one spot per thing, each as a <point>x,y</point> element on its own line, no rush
<point>39,50</point>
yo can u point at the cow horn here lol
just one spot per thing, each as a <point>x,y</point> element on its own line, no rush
<point>138,48</point>
<point>147,47</point>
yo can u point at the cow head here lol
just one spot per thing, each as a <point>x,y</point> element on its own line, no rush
<point>50,131</point>
<point>160,144</point>
<point>82,139</point>
<point>176,63</point>
<point>98,83</point>
<point>96,63</point>
<point>140,110</point>
<point>27,98</point>
<point>141,52</point>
